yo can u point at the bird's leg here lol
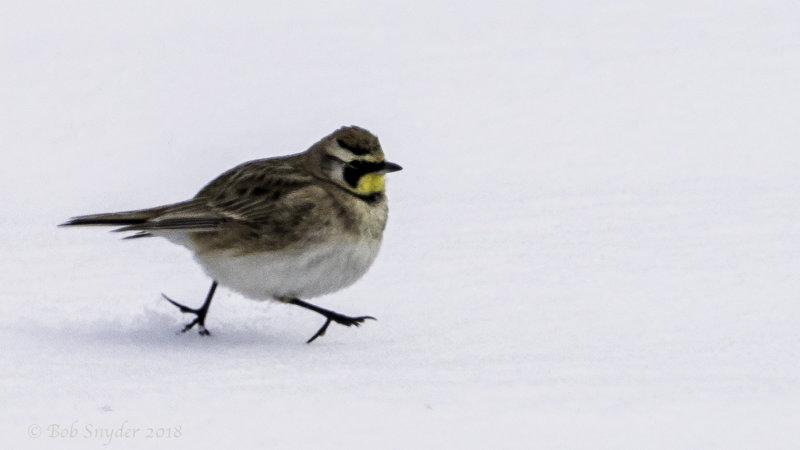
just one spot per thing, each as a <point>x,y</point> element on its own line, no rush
<point>200,312</point>
<point>330,316</point>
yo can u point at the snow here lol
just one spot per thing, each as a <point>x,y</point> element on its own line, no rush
<point>594,242</point>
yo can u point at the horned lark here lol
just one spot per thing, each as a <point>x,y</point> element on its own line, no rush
<point>285,229</point>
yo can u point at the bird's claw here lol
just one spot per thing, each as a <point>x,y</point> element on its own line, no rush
<point>199,320</point>
<point>340,319</point>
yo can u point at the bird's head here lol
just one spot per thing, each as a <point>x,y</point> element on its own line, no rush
<point>352,158</point>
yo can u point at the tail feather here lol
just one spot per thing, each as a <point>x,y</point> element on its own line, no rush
<point>116,219</point>
<point>141,234</point>
<point>189,216</point>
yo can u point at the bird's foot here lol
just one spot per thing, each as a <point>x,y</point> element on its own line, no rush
<point>340,319</point>
<point>199,320</point>
<point>330,316</point>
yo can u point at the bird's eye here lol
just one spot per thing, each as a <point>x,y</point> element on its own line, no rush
<point>332,158</point>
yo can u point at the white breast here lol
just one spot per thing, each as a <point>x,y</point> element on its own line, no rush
<point>297,273</point>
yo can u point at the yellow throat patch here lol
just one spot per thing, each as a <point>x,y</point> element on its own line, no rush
<point>370,183</point>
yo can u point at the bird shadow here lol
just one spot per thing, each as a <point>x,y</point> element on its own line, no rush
<point>157,329</point>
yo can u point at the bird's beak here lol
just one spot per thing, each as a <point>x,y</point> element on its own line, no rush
<point>390,167</point>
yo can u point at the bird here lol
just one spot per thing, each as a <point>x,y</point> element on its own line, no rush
<point>284,229</point>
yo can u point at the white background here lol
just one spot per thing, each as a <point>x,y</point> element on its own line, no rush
<point>594,242</point>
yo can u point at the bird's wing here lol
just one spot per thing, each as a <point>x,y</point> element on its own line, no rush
<point>271,203</point>
<point>259,190</point>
